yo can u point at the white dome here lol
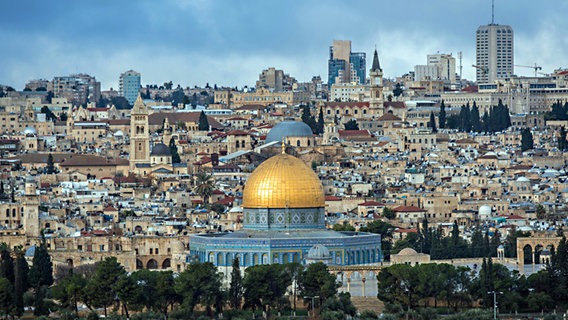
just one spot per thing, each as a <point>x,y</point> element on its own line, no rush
<point>522,179</point>
<point>30,131</point>
<point>119,133</point>
<point>484,210</point>
<point>318,252</point>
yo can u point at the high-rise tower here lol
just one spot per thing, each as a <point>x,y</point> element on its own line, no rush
<point>494,52</point>
<point>345,66</point>
<point>129,85</point>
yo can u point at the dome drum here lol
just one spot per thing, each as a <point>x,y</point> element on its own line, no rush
<point>284,219</point>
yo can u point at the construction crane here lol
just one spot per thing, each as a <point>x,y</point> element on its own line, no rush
<point>535,67</point>
<point>483,69</point>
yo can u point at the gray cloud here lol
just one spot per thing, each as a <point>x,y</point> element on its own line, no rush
<point>229,42</point>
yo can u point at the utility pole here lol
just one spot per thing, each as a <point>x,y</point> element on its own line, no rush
<point>313,305</point>
<point>495,302</point>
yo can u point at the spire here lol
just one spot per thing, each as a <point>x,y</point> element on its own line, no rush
<point>376,65</point>
<point>139,105</point>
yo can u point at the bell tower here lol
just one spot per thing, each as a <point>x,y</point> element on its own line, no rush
<point>376,99</point>
<point>30,206</point>
<point>139,134</point>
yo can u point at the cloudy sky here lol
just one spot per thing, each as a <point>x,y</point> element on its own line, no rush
<point>229,42</point>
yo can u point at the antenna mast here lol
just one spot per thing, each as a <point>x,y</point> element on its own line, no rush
<point>461,67</point>
<point>492,11</point>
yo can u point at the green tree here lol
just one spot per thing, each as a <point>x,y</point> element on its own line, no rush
<point>320,124</point>
<point>337,307</point>
<point>562,142</point>
<point>174,151</point>
<point>48,113</point>
<point>6,297</point>
<point>204,185</point>
<point>203,122</point>
<point>385,229</point>
<point>476,124</point>
<point>388,213</point>
<point>265,286</point>
<point>527,142</point>
<point>6,263</point>
<point>41,277</point>
<point>201,284</point>
<point>351,125</point>
<point>308,119</point>
<point>344,226</point>
<point>558,272</point>
<point>442,115</point>
<point>317,281</point>
<point>432,123</point>
<point>50,167</point>
<point>540,211</point>
<point>101,288</point>
<point>397,91</point>
<point>69,291</point>
<point>236,286</point>
<point>21,271</point>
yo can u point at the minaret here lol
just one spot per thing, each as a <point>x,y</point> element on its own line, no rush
<point>30,205</point>
<point>139,134</point>
<point>376,87</point>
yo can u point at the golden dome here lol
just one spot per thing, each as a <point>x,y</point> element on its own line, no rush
<point>283,181</point>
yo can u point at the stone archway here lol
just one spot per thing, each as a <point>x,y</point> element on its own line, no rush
<point>167,263</point>
<point>152,264</point>
<point>533,243</point>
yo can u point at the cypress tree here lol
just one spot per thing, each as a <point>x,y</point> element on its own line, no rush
<point>236,286</point>
<point>527,141</point>
<point>433,122</point>
<point>203,122</point>
<point>50,168</point>
<point>6,263</point>
<point>442,115</point>
<point>474,116</point>
<point>21,270</point>
<point>174,151</point>
<point>562,143</point>
<point>41,277</point>
<point>320,123</point>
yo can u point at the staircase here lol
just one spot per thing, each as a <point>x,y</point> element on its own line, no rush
<point>368,303</point>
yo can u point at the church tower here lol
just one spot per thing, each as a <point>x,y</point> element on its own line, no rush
<point>30,205</point>
<point>376,100</point>
<point>139,134</point>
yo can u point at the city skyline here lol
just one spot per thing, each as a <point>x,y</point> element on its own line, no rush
<point>195,42</point>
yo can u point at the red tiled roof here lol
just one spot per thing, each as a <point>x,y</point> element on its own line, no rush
<point>394,104</point>
<point>408,209</point>
<point>347,104</point>
<point>389,117</point>
<point>371,204</point>
<point>332,198</point>
<point>237,133</point>
<point>157,118</point>
<point>352,133</point>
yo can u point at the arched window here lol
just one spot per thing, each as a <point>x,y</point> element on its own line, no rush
<point>297,143</point>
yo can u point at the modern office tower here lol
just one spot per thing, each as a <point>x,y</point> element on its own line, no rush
<point>129,85</point>
<point>345,66</point>
<point>494,53</point>
<point>358,64</point>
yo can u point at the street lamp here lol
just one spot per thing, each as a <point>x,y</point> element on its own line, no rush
<point>313,304</point>
<point>495,302</point>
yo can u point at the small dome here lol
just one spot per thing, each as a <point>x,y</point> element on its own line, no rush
<point>161,149</point>
<point>407,252</point>
<point>484,210</point>
<point>522,179</point>
<point>30,251</point>
<point>288,129</point>
<point>119,133</point>
<point>318,252</point>
<point>30,131</point>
